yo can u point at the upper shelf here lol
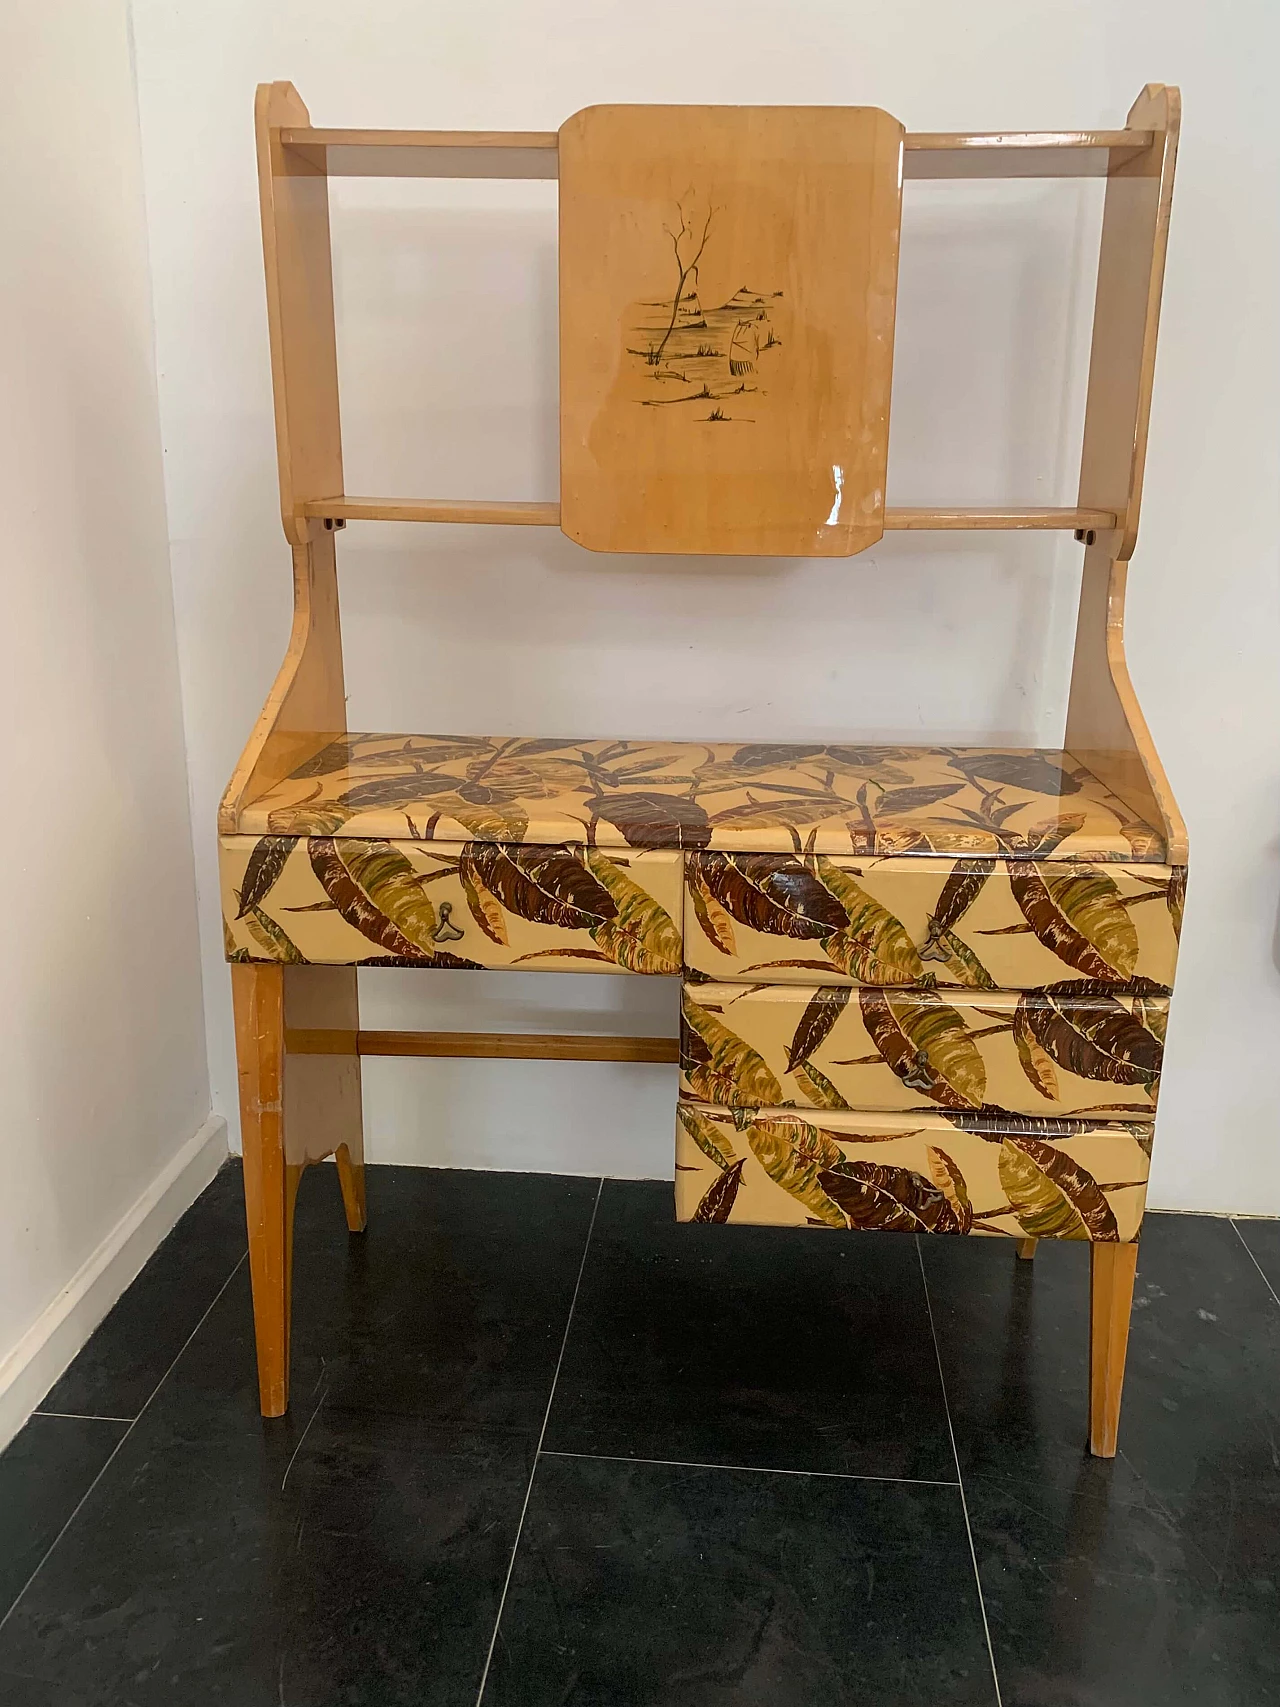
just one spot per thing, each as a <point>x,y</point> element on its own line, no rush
<point>533,513</point>
<point>535,154</point>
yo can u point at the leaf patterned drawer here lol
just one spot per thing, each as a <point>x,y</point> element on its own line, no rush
<point>1078,1047</point>
<point>931,1172</point>
<point>339,901</point>
<point>976,924</point>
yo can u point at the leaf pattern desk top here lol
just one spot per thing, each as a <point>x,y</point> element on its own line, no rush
<point>761,797</point>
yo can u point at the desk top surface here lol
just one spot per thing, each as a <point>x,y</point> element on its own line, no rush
<point>760,797</point>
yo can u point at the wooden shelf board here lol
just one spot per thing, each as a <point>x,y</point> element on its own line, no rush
<point>428,153</point>
<point>523,513</point>
<point>534,154</point>
<point>1013,154</point>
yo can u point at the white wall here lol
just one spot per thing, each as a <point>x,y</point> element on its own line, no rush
<point>103,1076</point>
<point>447,323</point>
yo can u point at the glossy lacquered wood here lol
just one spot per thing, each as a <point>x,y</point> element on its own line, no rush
<point>534,154</point>
<point>479,512</point>
<point>728,281</point>
<point>834,797</point>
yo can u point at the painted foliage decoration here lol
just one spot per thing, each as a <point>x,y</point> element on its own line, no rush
<point>750,797</point>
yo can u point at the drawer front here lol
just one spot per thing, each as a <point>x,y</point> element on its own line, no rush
<point>1072,1048</point>
<point>341,902</point>
<point>921,1173</point>
<point>976,924</point>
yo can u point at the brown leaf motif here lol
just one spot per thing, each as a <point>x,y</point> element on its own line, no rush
<point>821,1012</point>
<point>772,893</point>
<point>927,1045</point>
<point>892,1199</point>
<point>375,889</point>
<point>265,864</point>
<point>718,1200</point>
<point>546,885</point>
<point>654,820</point>
<point>1086,1031</point>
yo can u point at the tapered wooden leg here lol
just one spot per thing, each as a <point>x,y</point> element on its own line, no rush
<point>1111,1274</point>
<point>1027,1249</point>
<point>351,1179</point>
<point>258,998</point>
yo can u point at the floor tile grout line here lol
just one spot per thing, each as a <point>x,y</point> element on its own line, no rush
<point>83,1416</point>
<point>749,1469</point>
<point>44,1558</point>
<point>542,1435</point>
<point>1262,1271</point>
<point>955,1453</point>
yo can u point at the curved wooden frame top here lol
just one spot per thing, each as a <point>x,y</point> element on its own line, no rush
<point>306,706</point>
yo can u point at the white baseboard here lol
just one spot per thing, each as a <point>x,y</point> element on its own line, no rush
<point>57,1334</point>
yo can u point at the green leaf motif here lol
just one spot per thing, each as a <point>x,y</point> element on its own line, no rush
<point>873,947</point>
<point>276,943</point>
<point>483,906</point>
<point>949,1180</point>
<point>642,936</point>
<point>1052,1196</point>
<point>817,1086</point>
<point>377,891</point>
<point>792,1153</point>
<point>716,924</point>
<point>961,961</point>
<point>391,883</point>
<point>719,1066</point>
<point>1077,913</point>
<point>927,1045</point>
<point>710,1138</point>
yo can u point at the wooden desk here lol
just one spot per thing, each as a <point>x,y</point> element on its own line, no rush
<point>924,988</point>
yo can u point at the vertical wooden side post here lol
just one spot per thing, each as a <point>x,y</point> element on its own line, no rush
<point>1105,727</point>
<point>1111,1275</point>
<point>1027,1249</point>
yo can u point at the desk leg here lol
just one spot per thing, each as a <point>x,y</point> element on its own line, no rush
<point>294,1110</point>
<point>269,1187</point>
<point>1111,1275</point>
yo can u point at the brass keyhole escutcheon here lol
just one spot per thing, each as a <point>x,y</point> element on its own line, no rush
<point>446,930</point>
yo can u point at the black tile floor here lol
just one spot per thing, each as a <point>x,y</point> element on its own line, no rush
<point>548,1447</point>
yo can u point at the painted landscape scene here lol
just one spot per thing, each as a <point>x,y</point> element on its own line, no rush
<point>712,362</point>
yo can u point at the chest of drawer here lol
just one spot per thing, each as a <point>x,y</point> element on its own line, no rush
<point>481,905</point>
<point>974,924</point>
<point>1074,1048</point>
